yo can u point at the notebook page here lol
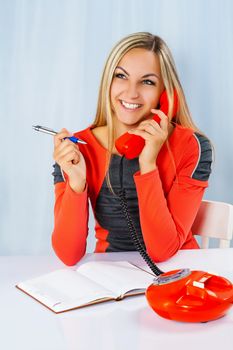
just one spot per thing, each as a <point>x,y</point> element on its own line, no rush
<point>64,289</point>
<point>119,277</point>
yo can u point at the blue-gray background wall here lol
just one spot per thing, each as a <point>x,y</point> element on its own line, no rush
<point>51,57</point>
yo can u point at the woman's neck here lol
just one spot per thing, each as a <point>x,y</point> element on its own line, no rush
<point>120,129</point>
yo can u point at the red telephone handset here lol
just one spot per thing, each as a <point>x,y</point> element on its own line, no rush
<point>131,145</point>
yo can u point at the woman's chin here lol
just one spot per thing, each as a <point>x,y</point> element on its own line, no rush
<point>129,121</point>
<point>132,118</point>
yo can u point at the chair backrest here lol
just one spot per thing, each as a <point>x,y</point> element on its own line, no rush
<point>214,220</point>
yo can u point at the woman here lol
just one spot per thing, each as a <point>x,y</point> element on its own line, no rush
<point>163,186</point>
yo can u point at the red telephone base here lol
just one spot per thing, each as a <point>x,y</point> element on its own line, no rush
<point>190,296</point>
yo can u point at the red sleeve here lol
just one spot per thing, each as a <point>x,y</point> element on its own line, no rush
<point>70,223</point>
<point>166,221</point>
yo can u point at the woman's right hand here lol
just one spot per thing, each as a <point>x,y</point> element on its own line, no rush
<point>68,156</point>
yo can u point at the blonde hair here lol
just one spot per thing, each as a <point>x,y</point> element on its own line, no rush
<point>153,43</point>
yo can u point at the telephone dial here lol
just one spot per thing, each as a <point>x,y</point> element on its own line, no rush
<point>190,296</point>
<point>181,295</point>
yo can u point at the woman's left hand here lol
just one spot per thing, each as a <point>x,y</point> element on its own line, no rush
<point>154,135</point>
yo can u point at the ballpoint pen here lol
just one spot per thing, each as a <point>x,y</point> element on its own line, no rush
<point>52,132</point>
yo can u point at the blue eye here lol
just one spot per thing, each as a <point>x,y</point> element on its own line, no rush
<point>148,82</point>
<point>120,75</point>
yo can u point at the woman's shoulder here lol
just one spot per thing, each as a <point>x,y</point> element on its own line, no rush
<point>196,148</point>
<point>96,136</point>
<point>83,132</point>
<point>99,131</point>
<point>192,137</point>
<point>101,135</point>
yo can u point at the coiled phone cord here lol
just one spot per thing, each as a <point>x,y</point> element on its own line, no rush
<point>133,232</point>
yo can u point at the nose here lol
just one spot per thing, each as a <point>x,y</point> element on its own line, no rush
<point>132,91</point>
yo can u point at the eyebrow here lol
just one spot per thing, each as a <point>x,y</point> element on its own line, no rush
<point>144,76</point>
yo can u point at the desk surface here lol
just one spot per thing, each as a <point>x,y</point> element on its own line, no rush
<point>128,324</point>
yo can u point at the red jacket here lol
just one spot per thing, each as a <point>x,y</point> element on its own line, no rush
<point>168,198</point>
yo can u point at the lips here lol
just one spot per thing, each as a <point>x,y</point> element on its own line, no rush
<point>130,106</point>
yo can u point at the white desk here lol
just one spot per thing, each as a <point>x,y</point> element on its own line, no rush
<point>129,324</point>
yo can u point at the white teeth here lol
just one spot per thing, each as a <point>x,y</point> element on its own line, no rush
<point>130,105</point>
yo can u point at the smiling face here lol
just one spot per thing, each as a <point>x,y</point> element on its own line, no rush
<point>136,87</point>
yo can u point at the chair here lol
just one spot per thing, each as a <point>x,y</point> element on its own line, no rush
<point>214,220</point>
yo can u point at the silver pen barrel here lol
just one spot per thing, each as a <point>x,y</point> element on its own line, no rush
<point>52,132</point>
<point>44,129</point>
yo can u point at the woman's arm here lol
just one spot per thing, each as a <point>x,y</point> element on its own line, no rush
<point>70,220</point>
<point>166,221</point>
<point>71,202</point>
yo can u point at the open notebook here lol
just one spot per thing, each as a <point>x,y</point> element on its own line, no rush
<point>90,283</point>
